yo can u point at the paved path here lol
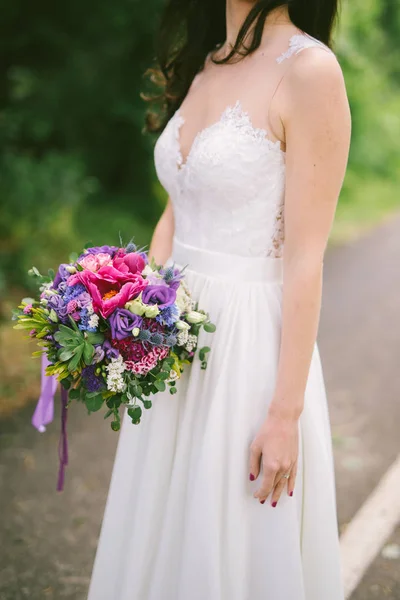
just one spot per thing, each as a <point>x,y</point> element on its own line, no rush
<point>49,539</point>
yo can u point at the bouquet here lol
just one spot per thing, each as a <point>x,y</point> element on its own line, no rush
<point>114,329</point>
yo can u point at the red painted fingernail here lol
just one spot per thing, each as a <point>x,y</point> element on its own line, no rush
<point>291,494</point>
<point>274,504</point>
<point>252,478</point>
<point>262,501</point>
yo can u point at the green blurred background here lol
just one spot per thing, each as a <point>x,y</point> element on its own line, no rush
<point>75,165</point>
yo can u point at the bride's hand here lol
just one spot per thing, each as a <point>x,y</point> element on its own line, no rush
<point>275,447</point>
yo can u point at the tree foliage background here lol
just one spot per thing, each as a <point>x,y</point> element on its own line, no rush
<point>74,163</point>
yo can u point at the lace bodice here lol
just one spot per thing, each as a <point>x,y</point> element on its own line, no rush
<point>228,195</point>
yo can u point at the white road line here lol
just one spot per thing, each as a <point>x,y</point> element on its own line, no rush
<point>365,535</point>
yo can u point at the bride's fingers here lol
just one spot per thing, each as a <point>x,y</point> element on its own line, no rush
<point>292,479</point>
<point>254,465</point>
<point>278,489</point>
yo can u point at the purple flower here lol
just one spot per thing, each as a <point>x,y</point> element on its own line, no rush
<point>61,275</point>
<point>56,302</point>
<point>109,350</point>
<point>91,381</point>
<point>111,250</point>
<point>159,294</point>
<point>122,322</point>
<point>84,299</point>
<point>98,354</point>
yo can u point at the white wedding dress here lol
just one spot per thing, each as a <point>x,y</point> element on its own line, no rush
<point>181,522</point>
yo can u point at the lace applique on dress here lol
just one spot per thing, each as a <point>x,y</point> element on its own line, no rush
<point>298,42</point>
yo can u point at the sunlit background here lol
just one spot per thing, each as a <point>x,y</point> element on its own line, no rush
<point>76,167</point>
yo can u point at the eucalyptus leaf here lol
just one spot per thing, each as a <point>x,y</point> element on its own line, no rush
<point>94,403</point>
<point>160,385</point>
<point>74,394</point>
<point>209,327</point>
<point>135,413</point>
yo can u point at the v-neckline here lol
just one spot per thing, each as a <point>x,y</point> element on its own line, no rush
<point>235,108</point>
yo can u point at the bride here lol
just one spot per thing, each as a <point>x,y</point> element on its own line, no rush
<point>226,490</point>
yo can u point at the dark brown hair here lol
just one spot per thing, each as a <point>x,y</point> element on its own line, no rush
<point>190,29</point>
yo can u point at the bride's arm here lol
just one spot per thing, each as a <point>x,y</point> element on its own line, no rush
<point>161,241</point>
<point>316,117</point>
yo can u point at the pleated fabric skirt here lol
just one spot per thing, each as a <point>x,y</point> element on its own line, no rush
<point>180,521</point>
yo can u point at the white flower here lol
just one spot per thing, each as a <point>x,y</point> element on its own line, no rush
<point>151,311</point>
<point>89,309</point>
<point>182,325</point>
<point>195,317</point>
<point>148,271</point>
<point>71,269</point>
<point>173,376</point>
<point>183,299</point>
<point>115,380</point>
<point>135,331</point>
<point>93,321</point>
<point>182,337</point>
<point>191,342</point>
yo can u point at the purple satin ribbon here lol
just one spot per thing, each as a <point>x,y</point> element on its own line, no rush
<point>44,414</point>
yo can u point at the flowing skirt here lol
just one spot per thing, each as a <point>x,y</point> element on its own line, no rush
<point>180,521</point>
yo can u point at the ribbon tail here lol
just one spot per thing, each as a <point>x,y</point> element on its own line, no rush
<point>63,442</point>
<point>44,411</point>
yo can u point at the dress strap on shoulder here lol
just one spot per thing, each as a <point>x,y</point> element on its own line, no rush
<point>299,42</point>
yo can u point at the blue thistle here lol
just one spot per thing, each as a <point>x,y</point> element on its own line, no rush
<point>171,340</point>
<point>131,247</point>
<point>157,339</point>
<point>144,335</point>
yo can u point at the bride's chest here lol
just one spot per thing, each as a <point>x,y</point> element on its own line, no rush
<point>230,155</point>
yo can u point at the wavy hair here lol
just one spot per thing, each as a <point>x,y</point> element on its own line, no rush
<point>190,29</point>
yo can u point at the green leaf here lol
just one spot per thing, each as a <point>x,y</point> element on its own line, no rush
<point>147,403</point>
<point>168,362</point>
<point>74,394</point>
<point>74,362</point>
<point>88,352</point>
<point>203,352</point>
<point>209,327</point>
<point>95,337</point>
<point>137,389</point>
<point>51,273</point>
<point>135,413</point>
<point>94,403</point>
<point>75,326</point>
<point>65,354</point>
<point>108,414</point>
<point>163,375</point>
<point>115,425</point>
<point>160,385</point>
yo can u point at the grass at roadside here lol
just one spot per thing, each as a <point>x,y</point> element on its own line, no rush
<point>364,204</point>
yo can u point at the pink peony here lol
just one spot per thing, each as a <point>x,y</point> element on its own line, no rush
<point>93,262</point>
<point>129,263</point>
<point>109,288</point>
